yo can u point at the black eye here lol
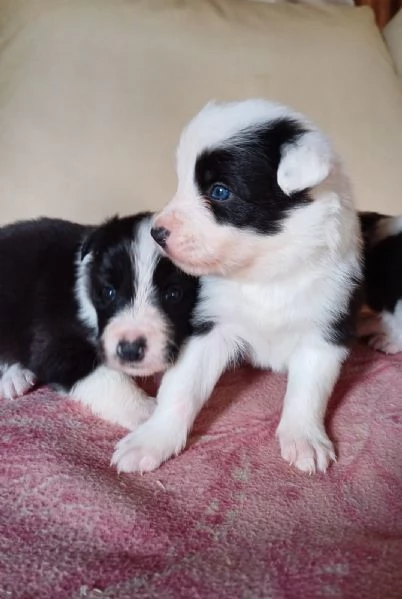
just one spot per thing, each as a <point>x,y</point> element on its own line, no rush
<point>108,294</point>
<point>173,294</point>
<point>219,193</point>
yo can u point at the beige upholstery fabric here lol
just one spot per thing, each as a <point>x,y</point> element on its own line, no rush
<point>94,93</point>
<point>393,37</point>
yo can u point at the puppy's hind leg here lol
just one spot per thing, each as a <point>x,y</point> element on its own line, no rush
<point>15,381</point>
<point>313,372</point>
<point>114,397</point>
<point>383,330</point>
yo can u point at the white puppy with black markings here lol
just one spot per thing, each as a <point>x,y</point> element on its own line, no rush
<point>264,211</point>
<point>84,309</point>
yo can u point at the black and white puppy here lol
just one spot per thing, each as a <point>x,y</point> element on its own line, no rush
<point>86,308</point>
<point>264,211</point>
<point>382,323</point>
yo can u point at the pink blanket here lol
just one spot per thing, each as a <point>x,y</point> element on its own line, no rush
<point>226,519</point>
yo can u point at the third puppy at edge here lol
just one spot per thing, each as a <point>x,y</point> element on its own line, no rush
<point>381,324</point>
<point>264,211</point>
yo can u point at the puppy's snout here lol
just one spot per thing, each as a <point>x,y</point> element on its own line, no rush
<point>131,351</point>
<point>160,234</point>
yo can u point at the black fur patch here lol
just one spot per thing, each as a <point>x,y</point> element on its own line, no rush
<point>343,328</point>
<point>247,165</point>
<point>383,274</point>
<point>113,232</point>
<point>112,265</point>
<point>368,222</point>
<point>382,265</point>
<point>38,310</point>
<point>203,328</point>
<point>176,294</point>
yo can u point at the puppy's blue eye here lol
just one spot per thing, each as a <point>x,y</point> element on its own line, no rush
<point>220,193</point>
<point>108,293</point>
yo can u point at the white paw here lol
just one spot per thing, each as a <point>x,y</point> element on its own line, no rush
<point>16,381</point>
<point>309,453</point>
<point>114,397</point>
<point>381,342</point>
<point>146,448</point>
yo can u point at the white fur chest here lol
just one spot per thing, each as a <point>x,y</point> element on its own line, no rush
<point>270,319</point>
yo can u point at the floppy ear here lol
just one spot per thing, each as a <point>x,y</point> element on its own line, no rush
<point>97,235</point>
<point>304,163</point>
<point>87,244</point>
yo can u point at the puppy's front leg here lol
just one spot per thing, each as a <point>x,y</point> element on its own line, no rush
<point>114,397</point>
<point>184,390</point>
<point>313,371</point>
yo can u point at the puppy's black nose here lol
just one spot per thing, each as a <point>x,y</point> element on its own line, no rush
<point>160,234</point>
<point>132,351</point>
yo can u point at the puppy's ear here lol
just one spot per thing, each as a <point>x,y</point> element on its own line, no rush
<point>304,163</point>
<point>87,244</point>
<point>98,235</point>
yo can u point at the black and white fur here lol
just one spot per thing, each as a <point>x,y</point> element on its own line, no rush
<point>85,308</point>
<point>382,322</point>
<point>279,247</point>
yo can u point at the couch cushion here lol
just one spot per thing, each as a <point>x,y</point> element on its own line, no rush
<point>393,37</point>
<point>93,94</point>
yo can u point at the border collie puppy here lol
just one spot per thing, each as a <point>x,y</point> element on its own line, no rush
<point>84,309</point>
<point>382,324</point>
<point>264,210</point>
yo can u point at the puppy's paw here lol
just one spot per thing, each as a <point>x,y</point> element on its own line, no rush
<point>16,382</point>
<point>145,449</point>
<point>308,452</point>
<point>382,342</point>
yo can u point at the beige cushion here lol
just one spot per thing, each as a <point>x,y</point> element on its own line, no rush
<point>94,93</point>
<point>393,37</point>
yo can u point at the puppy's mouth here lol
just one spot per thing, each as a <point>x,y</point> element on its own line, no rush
<point>189,262</point>
<point>181,250</point>
<point>140,371</point>
<point>148,367</point>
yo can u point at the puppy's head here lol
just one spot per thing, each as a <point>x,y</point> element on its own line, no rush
<point>243,168</point>
<point>138,302</point>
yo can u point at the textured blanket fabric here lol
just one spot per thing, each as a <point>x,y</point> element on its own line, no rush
<point>226,519</point>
